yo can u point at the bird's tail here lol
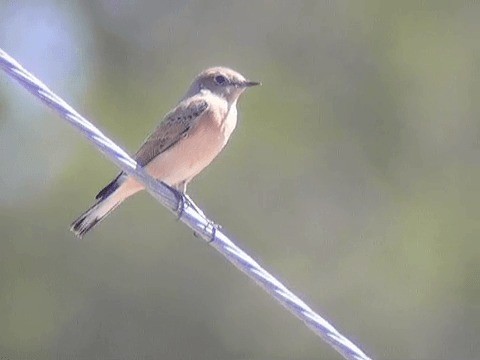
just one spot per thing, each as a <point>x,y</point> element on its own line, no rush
<point>94,215</point>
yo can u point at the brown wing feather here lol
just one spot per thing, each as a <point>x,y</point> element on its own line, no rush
<point>173,128</point>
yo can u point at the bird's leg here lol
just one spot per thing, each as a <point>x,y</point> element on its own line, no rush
<point>208,223</point>
<point>189,202</point>
<point>181,201</point>
<point>184,201</point>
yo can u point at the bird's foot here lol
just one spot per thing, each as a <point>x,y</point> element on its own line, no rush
<point>211,227</point>
<point>184,201</point>
<point>189,203</point>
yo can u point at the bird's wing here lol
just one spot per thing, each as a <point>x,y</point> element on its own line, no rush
<point>172,129</point>
<point>176,125</point>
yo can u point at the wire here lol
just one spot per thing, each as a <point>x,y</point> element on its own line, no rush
<point>191,215</point>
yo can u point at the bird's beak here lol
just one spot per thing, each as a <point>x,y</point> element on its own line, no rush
<point>248,83</point>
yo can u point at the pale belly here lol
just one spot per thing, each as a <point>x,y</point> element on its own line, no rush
<point>188,157</point>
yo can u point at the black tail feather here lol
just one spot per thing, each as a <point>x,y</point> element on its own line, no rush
<point>80,227</point>
<point>85,222</point>
<point>110,188</point>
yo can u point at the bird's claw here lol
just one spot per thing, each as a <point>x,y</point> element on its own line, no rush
<point>181,203</point>
<point>184,201</point>
<point>209,225</point>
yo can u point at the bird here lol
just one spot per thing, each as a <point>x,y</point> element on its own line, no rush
<point>186,141</point>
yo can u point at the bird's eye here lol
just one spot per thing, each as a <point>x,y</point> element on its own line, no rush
<point>220,79</point>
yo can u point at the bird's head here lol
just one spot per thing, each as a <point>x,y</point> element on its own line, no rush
<point>221,81</point>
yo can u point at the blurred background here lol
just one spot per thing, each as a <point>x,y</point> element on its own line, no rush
<point>353,176</point>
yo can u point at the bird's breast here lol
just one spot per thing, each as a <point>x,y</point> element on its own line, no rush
<point>193,153</point>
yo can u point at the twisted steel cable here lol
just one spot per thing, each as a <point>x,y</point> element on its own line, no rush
<point>191,215</point>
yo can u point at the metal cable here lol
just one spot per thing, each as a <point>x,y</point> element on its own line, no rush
<point>194,219</point>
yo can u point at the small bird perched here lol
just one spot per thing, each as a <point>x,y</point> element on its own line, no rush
<point>183,144</point>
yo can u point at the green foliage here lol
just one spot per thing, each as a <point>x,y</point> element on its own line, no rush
<point>353,174</point>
